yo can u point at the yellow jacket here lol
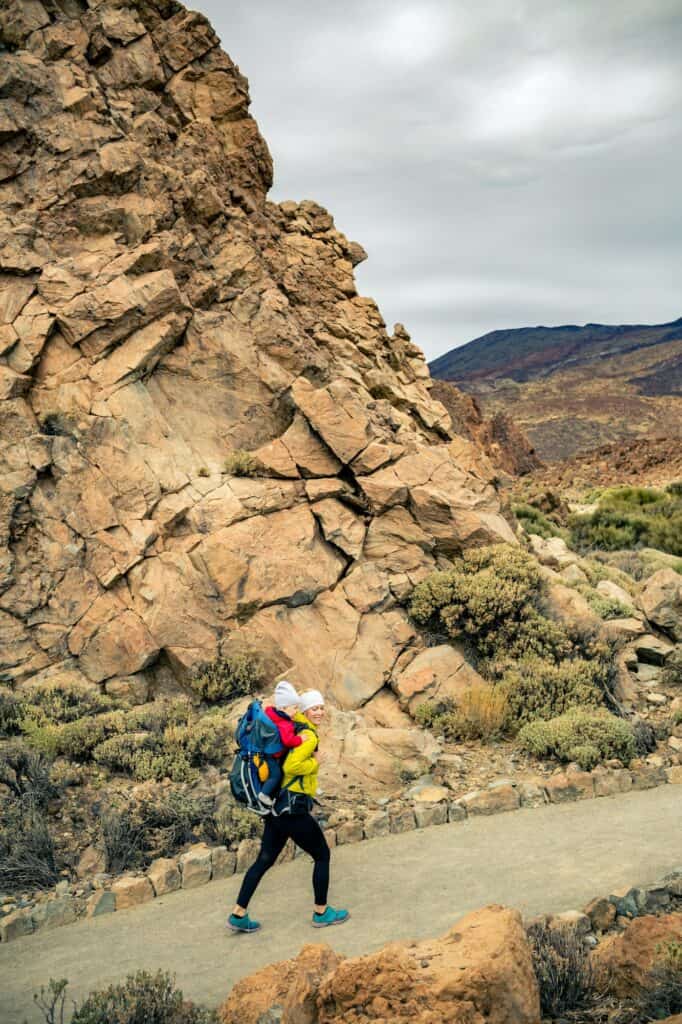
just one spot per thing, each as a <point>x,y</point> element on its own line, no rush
<point>300,766</point>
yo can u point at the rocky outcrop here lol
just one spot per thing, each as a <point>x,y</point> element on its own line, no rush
<point>502,440</point>
<point>480,972</point>
<point>627,959</point>
<point>661,601</point>
<point>158,314</point>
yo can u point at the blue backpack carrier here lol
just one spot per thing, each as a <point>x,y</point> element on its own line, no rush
<point>257,738</point>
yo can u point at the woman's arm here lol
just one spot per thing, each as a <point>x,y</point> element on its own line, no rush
<point>300,760</point>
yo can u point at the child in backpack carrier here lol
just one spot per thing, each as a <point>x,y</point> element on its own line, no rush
<point>281,712</point>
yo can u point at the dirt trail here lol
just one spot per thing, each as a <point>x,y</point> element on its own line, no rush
<point>406,886</point>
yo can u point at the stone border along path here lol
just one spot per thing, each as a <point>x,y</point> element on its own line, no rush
<point>409,886</point>
<point>201,863</point>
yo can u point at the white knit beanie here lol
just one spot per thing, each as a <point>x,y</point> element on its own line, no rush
<point>285,695</point>
<point>311,699</point>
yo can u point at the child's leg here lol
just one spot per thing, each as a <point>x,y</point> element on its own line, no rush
<point>274,780</point>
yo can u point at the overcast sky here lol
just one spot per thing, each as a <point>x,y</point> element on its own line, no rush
<point>505,163</point>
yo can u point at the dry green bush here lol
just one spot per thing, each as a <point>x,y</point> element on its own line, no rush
<point>231,824</point>
<point>242,463</point>
<point>27,856</point>
<point>143,998</point>
<point>134,834</point>
<point>538,689</point>
<point>563,970</point>
<point>479,713</point>
<point>227,677</point>
<point>10,712</point>
<point>585,736</point>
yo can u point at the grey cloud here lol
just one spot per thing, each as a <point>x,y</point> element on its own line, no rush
<point>503,164</point>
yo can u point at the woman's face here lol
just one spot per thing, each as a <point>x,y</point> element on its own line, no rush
<point>316,714</point>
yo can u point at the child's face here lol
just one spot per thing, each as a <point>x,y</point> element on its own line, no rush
<point>291,710</point>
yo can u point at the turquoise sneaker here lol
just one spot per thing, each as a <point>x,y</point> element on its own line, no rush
<point>330,917</point>
<point>242,924</point>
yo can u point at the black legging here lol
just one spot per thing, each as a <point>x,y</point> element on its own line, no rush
<point>307,834</point>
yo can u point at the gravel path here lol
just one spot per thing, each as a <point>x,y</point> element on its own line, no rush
<point>404,886</point>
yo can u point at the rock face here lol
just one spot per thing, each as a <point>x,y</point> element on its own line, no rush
<point>627,959</point>
<point>661,601</point>
<point>158,314</point>
<point>480,972</point>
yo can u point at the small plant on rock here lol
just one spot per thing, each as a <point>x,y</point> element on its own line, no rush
<point>479,713</point>
<point>242,463</point>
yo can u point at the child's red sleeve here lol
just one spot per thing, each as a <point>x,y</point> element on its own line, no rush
<point>288,735</point>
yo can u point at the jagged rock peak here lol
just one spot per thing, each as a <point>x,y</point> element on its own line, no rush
<point>157,313</point>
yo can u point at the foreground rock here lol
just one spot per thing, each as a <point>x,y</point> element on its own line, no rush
<point>480,971</point>
<point>628,958</point>
<point>157,315</point>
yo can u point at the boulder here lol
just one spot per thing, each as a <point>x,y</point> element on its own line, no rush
<point>481,970</point>
<point>491,801</point>
<point>628,957</point>
<point>652,650</point>
<point>195,866</point>
<point>661,602</point>
<point>131,890</point>
<point>287,990</point>
<point>164,875</point>
<point>435,674</point>
<point>552,551</point>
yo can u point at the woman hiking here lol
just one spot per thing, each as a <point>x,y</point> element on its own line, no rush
<point>293,820</point>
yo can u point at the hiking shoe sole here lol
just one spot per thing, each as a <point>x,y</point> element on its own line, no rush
<point>330,924</point>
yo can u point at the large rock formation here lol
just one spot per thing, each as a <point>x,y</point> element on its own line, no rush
<point>480,972</point>
<point>158,314</point>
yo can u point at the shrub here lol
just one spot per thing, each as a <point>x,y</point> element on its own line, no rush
<point>539,689</point>
<point>27,776</point>
<point>585,736</point>
<point>135,833</point>
<point>205,741</point>
<point>27,855</point>
<point>479,713</point>
<point>144,756</point>
<point>672,670</point>
<point>604,607</point>
<point>487,599</point>
<point>10,712</point>
<point>645,737</point>
<point>143,998</point>
<point>231,824</point>
<point>563,970</point>
<point>533,521</point>
<point>242,463</point>
<point>227,677</point>
<point>79,738</point>
<point>64,701</point>
<point>628,517</point>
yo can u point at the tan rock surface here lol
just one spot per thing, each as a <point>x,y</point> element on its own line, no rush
<point>480,972</point>
<point>157,313</point>
<point>629,957</point>
<point>661,601</point>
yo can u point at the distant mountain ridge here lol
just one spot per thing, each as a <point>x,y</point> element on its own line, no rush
<point>572,389</point>
<point>527,352</point>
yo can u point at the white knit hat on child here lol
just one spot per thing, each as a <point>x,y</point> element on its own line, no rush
<point>285,695</point>
<point>311,699</point>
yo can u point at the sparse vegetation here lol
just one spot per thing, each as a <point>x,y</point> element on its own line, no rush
<point>135,833</point>
<point>535,521</point>
<point>227,677</point>
<point>27,855</point>
<point>480,713</point>
<point>563,970</point>
<point>585,736</point>
<point>143,998</point>
<point>242,463</point>
<point>538,689</point>
<point>632,517</point>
